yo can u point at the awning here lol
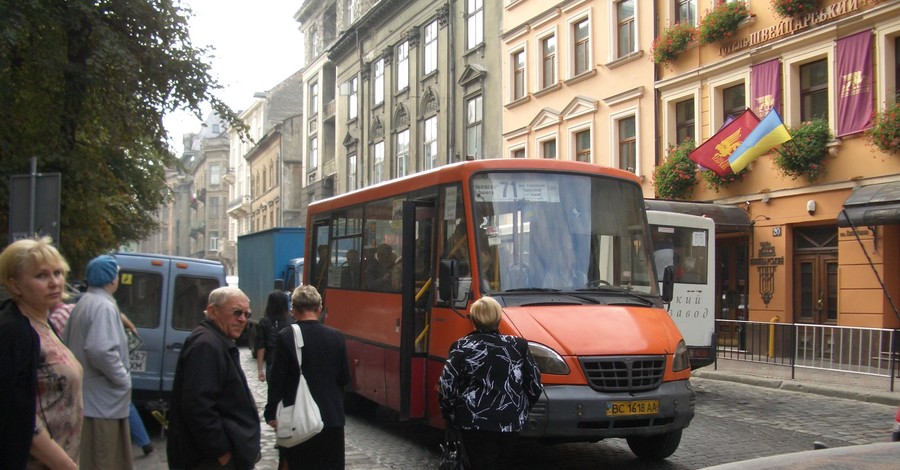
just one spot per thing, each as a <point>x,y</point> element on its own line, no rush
<point>875,204</point>
<point>728,218</point>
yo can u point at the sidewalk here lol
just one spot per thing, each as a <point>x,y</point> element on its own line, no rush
<point>861,387</point>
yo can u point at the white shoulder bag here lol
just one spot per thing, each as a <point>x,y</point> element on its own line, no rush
<point>303,420</point>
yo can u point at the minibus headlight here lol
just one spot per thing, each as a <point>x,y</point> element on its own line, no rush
<point>681,360</point>
<point>548,361</point>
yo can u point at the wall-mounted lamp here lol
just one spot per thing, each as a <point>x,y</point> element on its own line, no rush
<point>811,207</point>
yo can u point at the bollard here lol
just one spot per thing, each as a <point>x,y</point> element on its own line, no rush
<point>772,323</point>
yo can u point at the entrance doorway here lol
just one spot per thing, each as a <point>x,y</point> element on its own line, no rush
<point>731,288</point>
<point>815,275</point>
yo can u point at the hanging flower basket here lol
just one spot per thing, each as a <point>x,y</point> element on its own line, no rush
<point>722,21</point>
<point>675,177</point>
<point>672,42</point>
<point>885,131</point>
<point>804,153</point>
<point>715,182</point>
<point>788,8</point>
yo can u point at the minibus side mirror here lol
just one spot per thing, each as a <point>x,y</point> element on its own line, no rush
<point>448,279</point>
<point>668,283</point>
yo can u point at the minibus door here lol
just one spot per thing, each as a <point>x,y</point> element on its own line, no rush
<point>417,252</point>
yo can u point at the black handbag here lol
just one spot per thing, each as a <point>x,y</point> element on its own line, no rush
<point>453,453</point>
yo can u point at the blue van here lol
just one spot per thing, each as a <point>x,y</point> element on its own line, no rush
<point>165,297</point>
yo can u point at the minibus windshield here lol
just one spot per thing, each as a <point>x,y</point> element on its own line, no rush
<point>560,231</point>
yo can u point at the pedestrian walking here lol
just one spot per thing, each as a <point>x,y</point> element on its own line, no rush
<point>489,383</point>
<point>327,372</point>
<point>97,338</point>
<point>37,372</point>
<point>213,420</point>
<point>277,317</point>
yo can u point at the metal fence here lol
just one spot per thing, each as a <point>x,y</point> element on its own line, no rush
<point>870,351</point>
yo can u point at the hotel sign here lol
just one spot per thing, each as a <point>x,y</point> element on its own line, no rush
<point>791,25</point>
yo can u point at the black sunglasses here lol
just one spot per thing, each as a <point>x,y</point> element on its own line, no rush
<point>238,312</point>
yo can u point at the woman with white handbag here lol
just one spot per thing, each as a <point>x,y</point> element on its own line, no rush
<point>309,372</point>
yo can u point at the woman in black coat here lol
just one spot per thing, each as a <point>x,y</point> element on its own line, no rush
<point>327,372</point>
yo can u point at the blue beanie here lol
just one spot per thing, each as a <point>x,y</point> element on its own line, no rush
<point>101,271</point>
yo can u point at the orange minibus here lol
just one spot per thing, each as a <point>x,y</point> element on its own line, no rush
<point>563,246</point>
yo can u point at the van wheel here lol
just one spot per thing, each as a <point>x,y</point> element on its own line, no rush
<point>655,447</point>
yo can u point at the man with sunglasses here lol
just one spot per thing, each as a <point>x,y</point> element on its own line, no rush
<point>213,422</point>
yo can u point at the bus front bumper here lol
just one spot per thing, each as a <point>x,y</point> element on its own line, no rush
<point>579,413</point>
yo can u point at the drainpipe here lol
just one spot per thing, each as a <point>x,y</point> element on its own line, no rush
<point>451,56</point>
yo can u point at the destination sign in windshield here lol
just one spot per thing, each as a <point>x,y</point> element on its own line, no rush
<point>509,190</point>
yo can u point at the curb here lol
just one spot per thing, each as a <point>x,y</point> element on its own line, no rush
<point>869,396</point>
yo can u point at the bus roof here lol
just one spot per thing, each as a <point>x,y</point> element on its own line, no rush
<point>458,172</point>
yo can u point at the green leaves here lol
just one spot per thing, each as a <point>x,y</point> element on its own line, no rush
<point>84,87</point>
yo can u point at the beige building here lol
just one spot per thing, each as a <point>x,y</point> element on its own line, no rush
<point>578,83</point>
<point>794,262</point>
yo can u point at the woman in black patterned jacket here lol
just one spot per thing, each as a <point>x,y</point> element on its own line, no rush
<point>488,384</point>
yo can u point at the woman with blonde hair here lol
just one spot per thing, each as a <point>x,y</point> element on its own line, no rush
<point>40,379</point>
<point>489,383</point>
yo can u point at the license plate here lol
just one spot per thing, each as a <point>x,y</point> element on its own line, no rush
<point>631,408</point>
<point>138,361</point>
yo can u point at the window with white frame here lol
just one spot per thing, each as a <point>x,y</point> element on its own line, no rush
<point>583,145</point>
<point>734,101</point>
<point>814,90</point>
<point>213,209</point>
<point>430,150</point>
<point>378,83</point>
<point>474,127</point>
<point>626,28</point>
<point>313,153</point>
<point>402,153</point>
<point>349,12</point>
<point>215,174</point>
<point>686,11</point>
<point>548,148</point>
<point>214,241</point>
<point>474,23</point>
<point>517,153</point>
<point>431,47</point>
<point>312,39</point>
<point>403,66</point>
<point>684,120</point>
<point>548,61</point>
<point>352,99</point>
<point>517,64</point>
<point>313,99</point>
<point>351,172</point>
<point>581,47</point>
<point>626,141</point>
<point>378,162</point>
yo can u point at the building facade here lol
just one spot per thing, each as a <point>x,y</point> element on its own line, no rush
<point>837,63</point>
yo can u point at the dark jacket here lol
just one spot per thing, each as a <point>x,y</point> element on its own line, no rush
<point>266,332</point>
<point>20,349</point>
<point>324,365</point>
<point>212,410</point>
<point>489,382</point>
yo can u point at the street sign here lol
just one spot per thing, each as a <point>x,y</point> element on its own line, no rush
<point>43,218</point>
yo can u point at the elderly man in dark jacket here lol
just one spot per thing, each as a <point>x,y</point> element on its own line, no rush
<point>213,418</point>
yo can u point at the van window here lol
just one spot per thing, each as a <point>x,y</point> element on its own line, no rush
<point>139,297</point>
<point>191,296</point>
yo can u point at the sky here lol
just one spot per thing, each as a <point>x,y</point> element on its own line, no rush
<point>256,44</point>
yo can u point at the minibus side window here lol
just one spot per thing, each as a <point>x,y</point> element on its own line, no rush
<point>139,296</point>
<point>382,245</point>
<point>191,296</point>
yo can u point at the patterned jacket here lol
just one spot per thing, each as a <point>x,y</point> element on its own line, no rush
<point>489,382</point>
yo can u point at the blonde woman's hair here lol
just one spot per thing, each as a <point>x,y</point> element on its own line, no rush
<point>485,313</point>
<point>29,253</point>
<point>306,298</point>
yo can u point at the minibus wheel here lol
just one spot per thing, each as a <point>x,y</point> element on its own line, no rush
<point>655,447</point>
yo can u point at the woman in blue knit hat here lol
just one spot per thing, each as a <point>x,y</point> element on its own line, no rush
<point>97,338</point>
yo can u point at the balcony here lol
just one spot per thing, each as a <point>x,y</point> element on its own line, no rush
<point>228,177</point>
<point>239,207</point>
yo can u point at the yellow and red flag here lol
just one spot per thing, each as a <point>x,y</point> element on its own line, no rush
<point>713,154</point>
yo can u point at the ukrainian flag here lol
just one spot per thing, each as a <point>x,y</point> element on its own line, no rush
<point>768,134</point>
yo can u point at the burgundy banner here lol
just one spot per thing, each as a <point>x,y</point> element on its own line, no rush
<point>765,87</point>
<point>854,68</point>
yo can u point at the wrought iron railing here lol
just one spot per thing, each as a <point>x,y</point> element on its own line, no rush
<point>870,351</point>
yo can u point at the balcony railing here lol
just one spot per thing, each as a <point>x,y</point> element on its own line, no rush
<point>869,351</point>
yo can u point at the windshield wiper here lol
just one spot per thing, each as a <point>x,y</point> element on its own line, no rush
<point>530,289</point>
<point>619,291</point>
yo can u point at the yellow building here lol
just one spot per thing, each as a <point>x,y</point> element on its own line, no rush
<point>796,262</point>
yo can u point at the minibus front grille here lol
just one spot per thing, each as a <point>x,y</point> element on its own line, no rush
<point>623,373</point>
